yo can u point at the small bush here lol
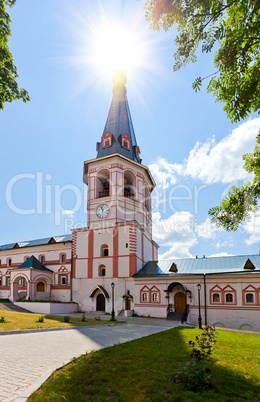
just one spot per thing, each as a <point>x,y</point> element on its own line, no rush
<point>195,374</point>
<point>40,319</point>
<point>2,319</point>
<point>97,318</point>
<point>66,318</point>
<point>203,345</point>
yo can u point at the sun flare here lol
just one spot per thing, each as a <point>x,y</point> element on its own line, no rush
<point>115,48</point>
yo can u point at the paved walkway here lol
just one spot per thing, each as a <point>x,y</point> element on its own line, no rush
<point>28,359</point>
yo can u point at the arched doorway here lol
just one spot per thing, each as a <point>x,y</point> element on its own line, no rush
<point>180,302</point>
<point>100,303</point>
<point>128,303</point>
<point>40,287</point>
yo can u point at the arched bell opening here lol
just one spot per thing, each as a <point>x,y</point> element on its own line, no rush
<point>103,184</point>
<point>129,185</point>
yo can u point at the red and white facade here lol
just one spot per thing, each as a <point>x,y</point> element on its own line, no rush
<point>125,231</point>
<point>117,247</point>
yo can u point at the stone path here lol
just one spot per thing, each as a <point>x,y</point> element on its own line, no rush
<point>28,359</point>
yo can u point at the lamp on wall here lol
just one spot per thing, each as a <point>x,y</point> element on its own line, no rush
<point>199,287</point>
<point>113,310</point>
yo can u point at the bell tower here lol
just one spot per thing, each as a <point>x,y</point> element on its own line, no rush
<point>118,239</point>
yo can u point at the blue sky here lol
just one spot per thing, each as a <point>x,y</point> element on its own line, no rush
<point>191,147</point>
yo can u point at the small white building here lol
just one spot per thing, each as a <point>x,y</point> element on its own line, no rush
<point>117,247</point>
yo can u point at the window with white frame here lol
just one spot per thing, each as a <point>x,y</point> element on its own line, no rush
<point>104,250</point>
<point>145,296</point>
<point>216,298</point>
<point>62,257</point>
<point>250,298</point>
<point>155,296</point>
<point>7,281</point>
<point>0,280</point>
<point>107,140</point>
<point>9,262</point>
<point>125,141</point>
<point>102,270</point>
<point>63,279</point>
<point>229,298</point>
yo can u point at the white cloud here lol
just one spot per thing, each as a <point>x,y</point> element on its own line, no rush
<point>176,232</point>
<point>68,212</point>
<point>253,229</point>
<point>164,172</point>
<point>222,162</point>
<point>224,254</point>
<point>207,230</point>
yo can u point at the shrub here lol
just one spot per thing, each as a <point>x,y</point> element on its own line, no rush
<point>203,345</point>
<point>40,319</point>
<point>195,374</point>
<point>66,318</point>
<point>2,319</point>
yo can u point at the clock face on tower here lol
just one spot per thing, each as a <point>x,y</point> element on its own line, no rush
<point>102,211</point>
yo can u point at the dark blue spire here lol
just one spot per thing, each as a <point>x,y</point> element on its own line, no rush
<point>119,135</point>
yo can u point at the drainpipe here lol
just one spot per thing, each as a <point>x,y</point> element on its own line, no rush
<point>71,270</point>
<point>205,298</point>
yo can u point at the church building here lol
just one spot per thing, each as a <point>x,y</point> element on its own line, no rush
<point>116,248</point>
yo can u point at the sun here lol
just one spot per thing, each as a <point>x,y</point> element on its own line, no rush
<point>116,47</point>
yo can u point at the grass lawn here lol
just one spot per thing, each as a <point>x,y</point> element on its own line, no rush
<point>143,370</point>
<point>15,321</point>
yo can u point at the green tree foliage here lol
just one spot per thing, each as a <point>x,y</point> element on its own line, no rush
<point>232,28</point>
<point>9,89</point>
<point>241,201</point>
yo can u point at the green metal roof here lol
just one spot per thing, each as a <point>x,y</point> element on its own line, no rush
<point>194,266</point>
<point>37,242</point>
<point>33,263</point>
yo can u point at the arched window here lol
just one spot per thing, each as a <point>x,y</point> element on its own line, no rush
<point>101,270</point>
<point>125,141</point>
<point>9,262</point>
<point>155,297</point>
<point>144,296</point>
<point>103,184</point>
<point>104,250</point>
<point>107,140</point>
<point>229,298</point>
<point>40,287</point>
<point>129,185</point>
<point>216,298</point>
<point>249,298</point>
<point>62,257</point>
